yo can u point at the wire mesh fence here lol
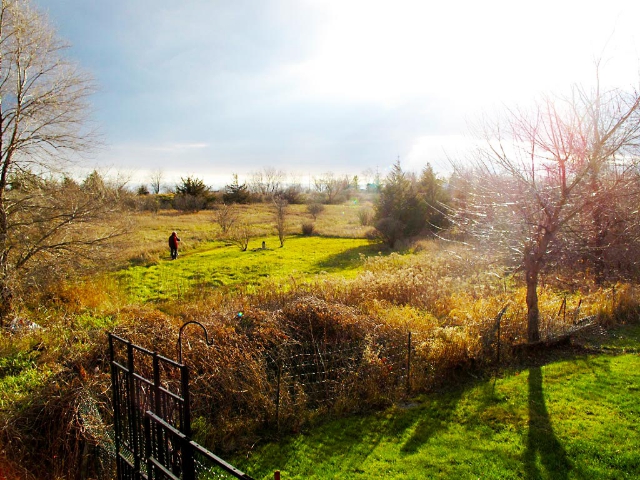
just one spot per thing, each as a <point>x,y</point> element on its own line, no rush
<point>346,375</point>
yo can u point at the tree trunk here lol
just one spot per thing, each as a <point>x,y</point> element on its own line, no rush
<point>533,262</point>
<point>532,269</point>
<point>599,239</point>
<point>6,303</point>
<point>6,294</point>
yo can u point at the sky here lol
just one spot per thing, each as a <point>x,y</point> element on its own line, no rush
<point>209,88</point>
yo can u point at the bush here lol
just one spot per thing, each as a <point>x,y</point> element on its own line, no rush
<point>293,194</point>
<point>391,230</point>
<point>226,216</point>
<point>239,235</point>
<point>366,215</point>
<point>308,228</point>
<point>148,203</point>
<point>165,200</point>
<point>315,209</point>
<point>189,203</point>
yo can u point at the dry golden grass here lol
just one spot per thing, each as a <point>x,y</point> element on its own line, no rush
<point>147,239</point>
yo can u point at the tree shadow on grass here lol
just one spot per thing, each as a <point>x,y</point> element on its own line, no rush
<point>350,258</point>
<point>541,441</point>
<point>348,442</point>
<point>436,415</point>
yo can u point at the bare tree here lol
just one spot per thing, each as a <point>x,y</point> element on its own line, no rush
<point>239,235</point>
<point>280,217</point>
<point>267,182</point>
<point>42,121</point>
<point>226,217</point>
<point>156,181</point>
<point>315,209</point>
<point>603,238</point>
<point>329,186</point>
<point>534,175</point>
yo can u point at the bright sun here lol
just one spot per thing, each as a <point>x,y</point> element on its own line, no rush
<point>471,52</point>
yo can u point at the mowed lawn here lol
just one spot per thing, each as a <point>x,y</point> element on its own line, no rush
<point>578,418</point>
<point>218,264</point>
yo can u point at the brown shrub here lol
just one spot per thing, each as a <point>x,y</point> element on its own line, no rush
<point>308,228</point>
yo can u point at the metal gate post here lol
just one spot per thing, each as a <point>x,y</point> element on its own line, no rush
<point>157,408</point>
<point>163,439</point>
<point>188,464</point>
<point>148,446</point>
<point>115,387</point>
<point>132,411</point>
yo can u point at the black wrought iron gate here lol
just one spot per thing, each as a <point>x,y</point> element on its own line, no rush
<point>152,419</point>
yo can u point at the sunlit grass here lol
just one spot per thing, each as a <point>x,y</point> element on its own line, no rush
<point>146,243</point>
<point>574,419</point>
<point>20,376</point>
<point>217,264</point>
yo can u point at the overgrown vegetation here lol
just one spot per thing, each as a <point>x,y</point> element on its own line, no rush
<point>47,221</point>
<point>322,325</point>
<point>445,294</point>
<point>408,206</point>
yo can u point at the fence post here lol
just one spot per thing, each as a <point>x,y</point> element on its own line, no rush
<point>116,386</point>
<point>563,309</point>
<point>498,321</point>
<point>499,345</point>
<point>409,363</point>
<point>278,394</point>
<point>576,313</point>
<point>276,475</point>
<point>147,446</point>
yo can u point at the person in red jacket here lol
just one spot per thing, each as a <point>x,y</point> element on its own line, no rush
<point>173,245</point>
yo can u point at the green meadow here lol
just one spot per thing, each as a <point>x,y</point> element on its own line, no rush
<point>219,264</point>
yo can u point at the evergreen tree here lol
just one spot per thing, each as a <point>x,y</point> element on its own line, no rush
<point>435,197</point>
<point>400,211</point>
<point>235,192</point>
<point>192,186</point>
<point>191,194</point>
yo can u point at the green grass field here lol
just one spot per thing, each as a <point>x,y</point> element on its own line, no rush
<point>577,418</point>
<point>216,264</point>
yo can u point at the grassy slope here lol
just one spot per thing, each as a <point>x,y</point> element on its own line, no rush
<point>216,264</point>
<point>575,418</point>
<point>152,231</point>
